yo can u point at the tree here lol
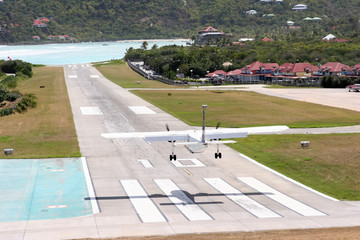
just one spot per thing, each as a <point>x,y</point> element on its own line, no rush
<point>144,45</point>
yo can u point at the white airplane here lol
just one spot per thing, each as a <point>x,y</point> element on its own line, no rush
<point>194,140</point>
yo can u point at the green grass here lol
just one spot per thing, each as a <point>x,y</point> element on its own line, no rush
<point>241,108</point>
<point>48,130</point>
<point>121,74</point>
<point>330,165</point>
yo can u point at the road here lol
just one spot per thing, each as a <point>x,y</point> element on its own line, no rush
<point>140,192</point>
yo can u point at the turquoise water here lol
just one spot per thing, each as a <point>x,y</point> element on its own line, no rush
<point>73,53</point>
<point>42,189</point>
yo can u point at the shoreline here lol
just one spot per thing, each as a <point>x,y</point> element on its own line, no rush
<point>117,41</point>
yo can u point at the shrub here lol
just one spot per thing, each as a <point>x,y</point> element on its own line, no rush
<point>29,101</point>
<point>10,82</point>
<point>16,66</point>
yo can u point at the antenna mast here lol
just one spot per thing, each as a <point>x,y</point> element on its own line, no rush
<point>203,123</point>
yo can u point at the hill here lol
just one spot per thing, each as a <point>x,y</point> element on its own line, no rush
<point>139,19</point>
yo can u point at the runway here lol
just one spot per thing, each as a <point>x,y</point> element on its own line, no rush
<point>140,192</point>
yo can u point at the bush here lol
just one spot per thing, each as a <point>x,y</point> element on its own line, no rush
<point>29,101</point>
<point>16,66</point>
<point>10,82</point>
<point>6,111</point>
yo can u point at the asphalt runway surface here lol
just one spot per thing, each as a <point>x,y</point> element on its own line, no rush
<point>140,192</point>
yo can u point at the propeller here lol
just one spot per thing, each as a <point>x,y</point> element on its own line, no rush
<point>167,127</point>
<point>218,125</point>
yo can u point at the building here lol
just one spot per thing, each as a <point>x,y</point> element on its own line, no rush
<point>208,35</point>
<point>299,7</point>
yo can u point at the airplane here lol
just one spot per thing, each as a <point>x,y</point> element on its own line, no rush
<point>194,140</point>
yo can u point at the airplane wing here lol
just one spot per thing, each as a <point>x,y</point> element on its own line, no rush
<point>222,133</point>
<point>153,136</point>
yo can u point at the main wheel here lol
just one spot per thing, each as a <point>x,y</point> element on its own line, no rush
<point>171,157</point>
<point>219,155</point>
<point>174,157</point>
<point>216,155</point>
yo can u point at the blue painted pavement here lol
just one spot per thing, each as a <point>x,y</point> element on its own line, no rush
<point>42,189</point>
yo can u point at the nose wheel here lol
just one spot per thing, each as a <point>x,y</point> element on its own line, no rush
<point>218,153</point>
<point>172,157</point>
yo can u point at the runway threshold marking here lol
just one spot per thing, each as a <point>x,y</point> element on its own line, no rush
<point>280,197</point>
<point>241,199</point>
<point>144,206</point>
<point>73,76</point>
<point>146,163</point>
<point>94,76</point>
<point>141,110</point>
<point>186,206</point>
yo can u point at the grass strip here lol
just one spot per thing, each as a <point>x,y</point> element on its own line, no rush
<point>48,130</point>
<point>242,109</point>
<point>121,74</point>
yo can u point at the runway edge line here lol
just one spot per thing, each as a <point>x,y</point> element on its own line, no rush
<point>90,187</point>
<point>287,178</point>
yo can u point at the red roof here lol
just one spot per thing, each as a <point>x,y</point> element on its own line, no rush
<point>287,65</point>
<point>257,66</point>
<point>339,40</point>
<point>265,39</point>
<point>217,72</point>
<point>357,65</point>
<point>334,66</point>
<point>210,29</point>
<point>235,72</point>
<point>300,67</point>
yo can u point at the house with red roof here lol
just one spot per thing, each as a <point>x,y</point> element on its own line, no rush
<point>334,68</point>
<point>40,22</point>
<point>208,35</point>
<point>265,39</point>
<point>259,68</point>
<point>36,38</point>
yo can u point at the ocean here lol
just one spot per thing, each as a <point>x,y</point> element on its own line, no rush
<point>74,53</point>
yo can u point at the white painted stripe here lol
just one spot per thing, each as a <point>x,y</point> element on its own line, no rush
<point>92,196</point>
<point>280,197</point>
<point>143,205</point>
<point>241,199</point>
<point>91,111</point>
<point>188,208</point>
<point>57,206</point>
<point>195,163</point>
<point>287,178</point>
<point>141,110</point>
<point>94,76</point>
<point>73,76</point>
<point>58,170</point>
<point>146,163</point>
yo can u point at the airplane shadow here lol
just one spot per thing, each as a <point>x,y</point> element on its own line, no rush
<point>184,196</point>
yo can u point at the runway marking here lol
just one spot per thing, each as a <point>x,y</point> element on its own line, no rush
<point>94,76</point>
<point>241,199</point>
<point>73,76</point>
<point>195,163</point>
<point>144,206</point>
<point>186,206</point>
<point>141,110</point>
<point>57,206</point>
<point>280,197</point>
<point>91,111</point>
<point>90,187</point>
<point>146,163</point>
<point>58,170</point>
<point>187,171</point>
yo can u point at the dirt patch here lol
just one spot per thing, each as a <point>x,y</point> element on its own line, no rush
<point>352,233</point>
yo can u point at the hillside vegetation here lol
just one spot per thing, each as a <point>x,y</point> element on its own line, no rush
<point>129,19</point>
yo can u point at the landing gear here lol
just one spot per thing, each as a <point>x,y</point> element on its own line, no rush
<point>172,157</point>
<point>218,153</point>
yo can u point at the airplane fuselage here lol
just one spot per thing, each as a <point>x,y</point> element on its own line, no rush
<point>197,148</point>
